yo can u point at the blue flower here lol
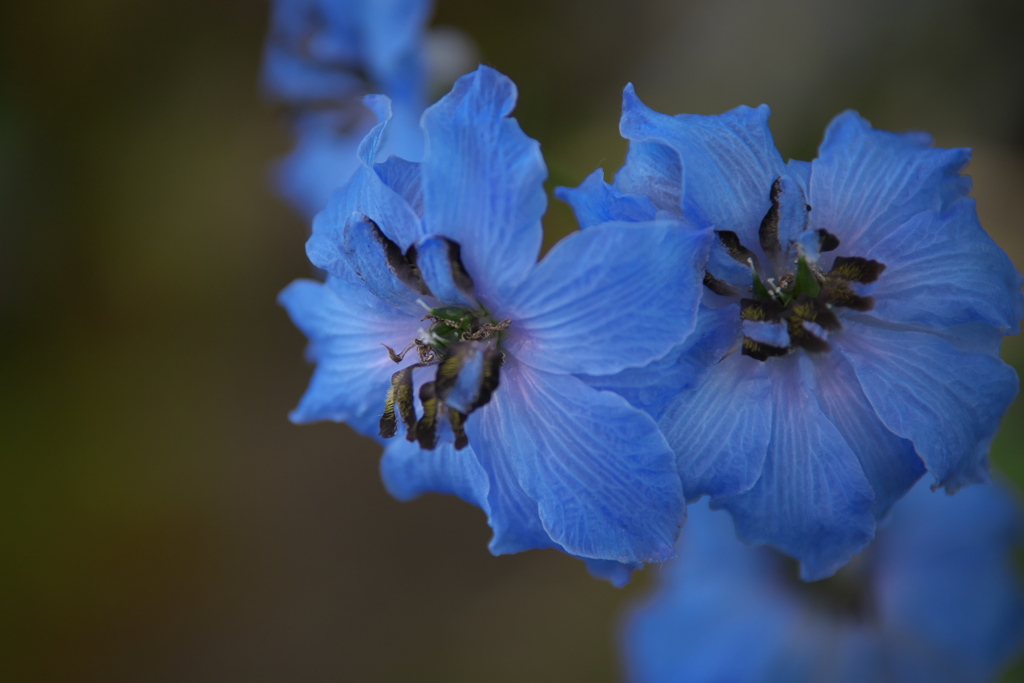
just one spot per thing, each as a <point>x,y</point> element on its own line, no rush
<point>437,324</point>
<point>321,58</point>
<point>936,598</point>
<point>849,332</point>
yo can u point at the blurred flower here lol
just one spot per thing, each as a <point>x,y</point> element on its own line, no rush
<point>437,313</point>
<point>322,57</point>
<point>936,598</point>
<point>841,350</point>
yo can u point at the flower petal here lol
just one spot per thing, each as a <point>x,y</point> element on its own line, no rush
<point>381,267</point>
<point>346,328</point>
<point>720,429</point>
<point>366,193</point>
<point>483,180</point>
<point>812,501</point>
<point>865,183</point>
<point>964,547</point>
<point>595,202</point>
<point>409,471</point>
<point>609,297</point>
<point>942,270</point>
<point>651,387</point>
<point>439,261</point>
<point>602,476</point>
<point>947,403</point>
<point>729,162</point>
<point>890,463</point>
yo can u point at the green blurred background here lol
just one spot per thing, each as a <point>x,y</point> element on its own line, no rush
<point>162,520</point>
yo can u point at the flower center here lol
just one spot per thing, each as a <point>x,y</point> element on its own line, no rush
<point>793,309</point>
<point>461,343</point>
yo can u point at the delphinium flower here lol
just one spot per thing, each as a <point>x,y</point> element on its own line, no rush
<point>848,337</point>
<point>936,598</point>
<point>321,58</point>
<point>439,331</point>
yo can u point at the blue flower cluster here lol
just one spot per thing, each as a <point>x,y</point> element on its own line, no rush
<point>321,58</point>
<point>801,342</point>
<point>437,324</point>
<point>849,330</point>
<point>935,598</point>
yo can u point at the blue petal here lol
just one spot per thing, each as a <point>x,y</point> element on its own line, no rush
<point>724,267</point>
<point>320,163</point>
<point>947,403</point>
<point>729,162</point>
<point>720,429</point>
<point>601,475</point>
<point>866,183</point>
<point>763,332</point>
<point>609,297</point>
<point>465,392</point>
<point>812,501</point>
<point>434,258</point>
<point>367,257</point>
<point>405,179</point>
<point>366,193</point>
<point>409,471</point>
<point>942,270</point>
<point>719,615</point>
<point>946,573</point>
<point>346,328</point>
<point>890,463</point>
<point>483,180</point>
<point>651,387</point>
<point>616,573</point>
<point>595,202</point>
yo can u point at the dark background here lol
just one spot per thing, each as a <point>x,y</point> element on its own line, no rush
<point>161,520</point>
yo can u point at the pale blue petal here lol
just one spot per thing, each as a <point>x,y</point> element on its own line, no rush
<point>483,180</point>
<point>366,255</point>
<point>772,334</point>
<point>346,328</point>
<point>793,210</point>
<point>943,270</point>
<point>405,179</point>
<point>320,163</point>
<point>729,162</point>
<point>609,297</point>
<point>651,387</point>
<point>465,392</point>
<point>595,202</point>
<point>866,183</point>
<point>434,256</point>
<point>890,463</point>
<point>947,403</point>
<point>366,193</point>
<point>812,501</point>
<point>602,476</point>
<point>724,267</point>
<point>409,471</point>
<point>616,573</point>
<point>720,429</point>
<point>947,573</point>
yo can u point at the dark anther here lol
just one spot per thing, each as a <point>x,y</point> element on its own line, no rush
<point>731,242</point>
<point>768,233</point>
<point>458,422</point>
<point>761,310</point>
<point>856,269</point>
<point>460,277</point>
<point>426,428</point>
<point>403,267</point>
<point>400,397</point>
<point>719,286</point>
<point>759,351</point>
<point>459,354</point>
<point>826,240</point>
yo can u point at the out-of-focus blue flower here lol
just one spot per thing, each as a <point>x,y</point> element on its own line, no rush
<point>849,333</point>
<point>438,323</point>
<point>935,599</point>
<point>321,58</point>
